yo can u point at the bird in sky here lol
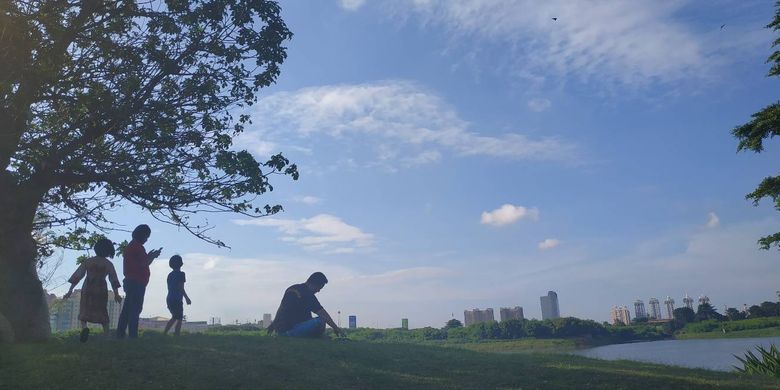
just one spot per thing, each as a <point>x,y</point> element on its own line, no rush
<point>721,26</point>
<point>554,18</point>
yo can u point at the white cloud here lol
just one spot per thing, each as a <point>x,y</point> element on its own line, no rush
<point>508,214</point>
<point>351,5</point>
<point>549,243</point>
<point>539,104</point>
<point>623,41</point>
<point>308,199</point>
<point>324,233</point>
<point>398,120</point>
<point>713,220</point>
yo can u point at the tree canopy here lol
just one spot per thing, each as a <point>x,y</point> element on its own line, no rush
<point>765,124</point>
<point>105,103</point>
<point>133,100</point>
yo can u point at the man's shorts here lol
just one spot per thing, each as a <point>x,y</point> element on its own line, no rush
<point>314,327</point>
<point>177,309</point>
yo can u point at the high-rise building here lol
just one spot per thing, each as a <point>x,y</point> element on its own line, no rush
<point>474,316</point>
<point>655,309</point>
<point>688,302</point>
<point>620,315</point>
<point>511,313</point>
<point>266,320</point>
<point>404,323</point>
<point>352,322</point>
<point>669,303</point>
<point>639,309</point>
<point>550,307</point>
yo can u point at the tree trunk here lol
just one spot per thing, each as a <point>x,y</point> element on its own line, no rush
<point>22,301</point>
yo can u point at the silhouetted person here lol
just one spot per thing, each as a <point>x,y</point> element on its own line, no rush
<point>136,269</point>
<point>176,293</point>
<point>94,291</point>
<point>294,315</point>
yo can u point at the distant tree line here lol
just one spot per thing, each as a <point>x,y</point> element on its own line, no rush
<point>684,316</point>
<point>568,327</point>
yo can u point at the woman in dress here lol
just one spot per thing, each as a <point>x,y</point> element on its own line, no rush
<point>93,307</point>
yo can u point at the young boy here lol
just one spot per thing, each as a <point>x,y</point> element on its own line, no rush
<point>176,292</point>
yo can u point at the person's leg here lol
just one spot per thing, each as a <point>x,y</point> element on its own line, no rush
<point>314,327</point>
<point>132,322</point>
<point>84,332</point>
<point>124,315</point>
<point>178,327</point>
<point>169,325</point>
<point>105,330</point>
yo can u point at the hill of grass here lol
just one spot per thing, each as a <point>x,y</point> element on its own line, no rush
<point>250,362</point>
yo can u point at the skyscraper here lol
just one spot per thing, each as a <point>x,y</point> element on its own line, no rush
<point>550,308</point>
<point>474,316</point>
<point>639,309</point>
<point>620,315</point>
<point>688,302</point>
<point>655,309</point>
<point>352,322</point>
<point>514,313</point>
<point>404,323</point>
<point>266,320</point>
<point>669,303</point>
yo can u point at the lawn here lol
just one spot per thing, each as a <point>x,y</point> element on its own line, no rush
<point>718,334</point>
<point>252,362</point>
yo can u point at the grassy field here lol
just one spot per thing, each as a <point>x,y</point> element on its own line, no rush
<point>718,334</point>
<point>251,362</point>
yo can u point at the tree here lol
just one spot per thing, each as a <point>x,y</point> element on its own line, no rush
<point>734,315</point>
<point>684,314</point>
<point>131,102</point>
<point>765,124</point>
<point>705,312</point>
<point>453,323</point>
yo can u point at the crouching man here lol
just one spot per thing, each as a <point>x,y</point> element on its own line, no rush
<point>293,318</point>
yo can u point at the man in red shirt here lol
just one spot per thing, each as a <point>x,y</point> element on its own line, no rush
<point>136,270</point>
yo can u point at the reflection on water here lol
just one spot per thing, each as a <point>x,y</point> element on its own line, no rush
<point>713,354</point>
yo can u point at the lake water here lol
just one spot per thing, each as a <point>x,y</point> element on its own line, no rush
<point>713,354</point>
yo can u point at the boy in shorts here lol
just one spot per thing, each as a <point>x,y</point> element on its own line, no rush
<point>176,292</point>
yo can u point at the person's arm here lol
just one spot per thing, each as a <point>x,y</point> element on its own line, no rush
<point>75,279</point>
<point>114,283</point>
<point>325,316</point>
<point>184,293</point>
<point>152,255</point>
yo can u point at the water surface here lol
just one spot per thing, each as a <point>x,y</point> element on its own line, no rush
<point>713,354</point>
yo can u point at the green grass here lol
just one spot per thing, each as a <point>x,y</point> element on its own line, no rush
<point>252,362</point>
<point>718,334</point>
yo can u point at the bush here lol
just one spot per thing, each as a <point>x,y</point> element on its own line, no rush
<point>767,364</point>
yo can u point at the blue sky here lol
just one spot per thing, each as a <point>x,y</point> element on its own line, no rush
<point>476,153</point>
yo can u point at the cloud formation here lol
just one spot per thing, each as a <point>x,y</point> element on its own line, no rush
<point>323,233</point>
<point>549,243</point>
<point>351,5</point>
<point>402,122</point>
<point>539,104</point>
<point>508,214</point>
<point>713,220</point>
<point>308,199</point>
<point>621,41</point>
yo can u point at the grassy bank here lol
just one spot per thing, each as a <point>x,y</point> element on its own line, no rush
<point>249,362</point>
<point>765,332</point>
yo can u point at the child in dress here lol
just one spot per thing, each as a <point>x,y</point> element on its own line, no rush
<point>94,292</point>
<point>176,292</point>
